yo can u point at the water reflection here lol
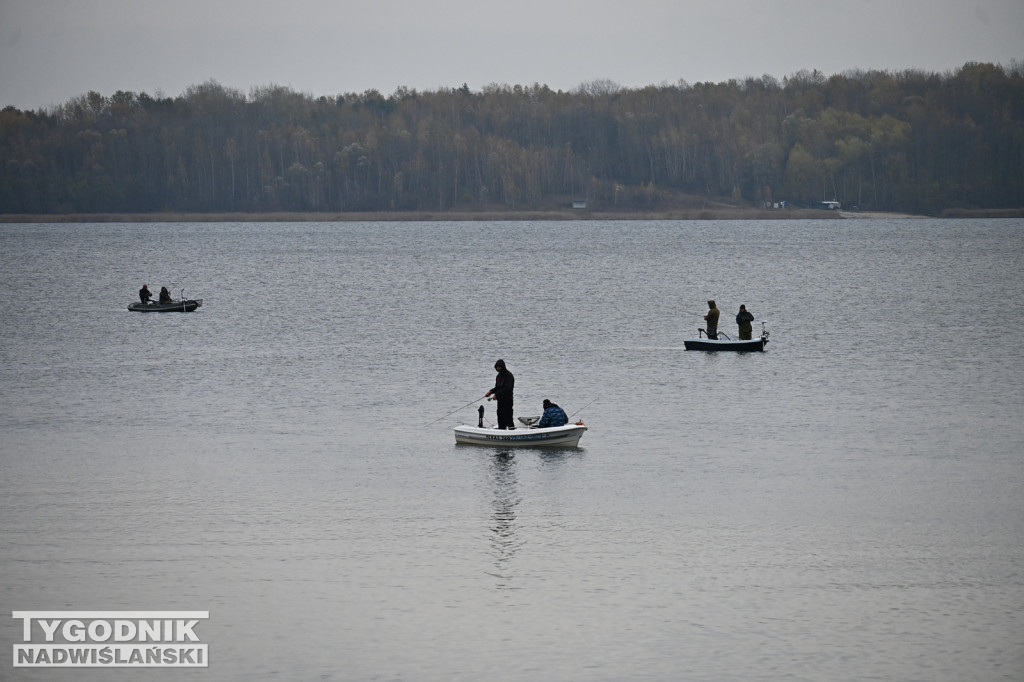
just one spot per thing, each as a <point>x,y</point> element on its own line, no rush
<point>506,497</point>
<point>553,458</point>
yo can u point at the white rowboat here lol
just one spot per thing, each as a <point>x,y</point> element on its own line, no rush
<point>562,436</point>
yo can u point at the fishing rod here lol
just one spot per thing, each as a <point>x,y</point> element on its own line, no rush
<point>583,408</point>
<point>454,411</point>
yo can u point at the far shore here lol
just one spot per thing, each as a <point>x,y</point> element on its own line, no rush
<point>717,213</point>
<point>460,215</point>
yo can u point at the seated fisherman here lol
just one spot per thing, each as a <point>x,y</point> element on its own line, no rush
<point>553,415</point>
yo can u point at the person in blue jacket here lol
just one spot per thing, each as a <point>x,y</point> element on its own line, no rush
<point>553,415</point>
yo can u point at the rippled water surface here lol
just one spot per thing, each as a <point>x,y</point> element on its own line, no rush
<point>845,506</point>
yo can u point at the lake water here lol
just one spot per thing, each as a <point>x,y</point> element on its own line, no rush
<point>848,505</point>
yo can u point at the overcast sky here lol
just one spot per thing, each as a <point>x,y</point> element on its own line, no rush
<point>53,50</point>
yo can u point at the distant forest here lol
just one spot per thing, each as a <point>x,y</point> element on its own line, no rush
<point>906,141</point>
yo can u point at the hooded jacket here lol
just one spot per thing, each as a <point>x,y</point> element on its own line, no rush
<point>503,383</point>
<point>743,319</point>
<point>712,317</point>
<point>553,416</point>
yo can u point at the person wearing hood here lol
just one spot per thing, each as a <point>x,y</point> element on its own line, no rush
<point>712,320</point>
<point>165,296</point>
<point>553,415</point>
<point>145,294</point>
<point>743,319</point>
<point>502,392</point>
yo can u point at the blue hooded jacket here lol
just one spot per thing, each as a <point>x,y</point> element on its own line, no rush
<point>553,416</point>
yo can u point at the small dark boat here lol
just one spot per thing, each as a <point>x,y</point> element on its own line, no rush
<point>181,305</point>
<point>723,342</point>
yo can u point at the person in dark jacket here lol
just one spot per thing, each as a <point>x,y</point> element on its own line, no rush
<point>712,320</point>
<point>144,294</point>
<point>502,392</point>
<point>165,296</point>
<point>553,415</point>
<point>743,319</point>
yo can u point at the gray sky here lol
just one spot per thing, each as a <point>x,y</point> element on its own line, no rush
<point>53,50</point>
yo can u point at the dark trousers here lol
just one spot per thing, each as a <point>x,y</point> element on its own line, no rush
<point>505,414</point>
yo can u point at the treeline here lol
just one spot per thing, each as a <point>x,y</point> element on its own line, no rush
<point>908,141</point>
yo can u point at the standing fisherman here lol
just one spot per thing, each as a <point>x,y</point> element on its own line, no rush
<point>743,319</point>
<point>502,392</point>
<point>712,320</point>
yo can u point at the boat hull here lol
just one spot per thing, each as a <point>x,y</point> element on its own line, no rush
<point>186,306</point>
<point>555,436</point>
<point>721,344</point>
